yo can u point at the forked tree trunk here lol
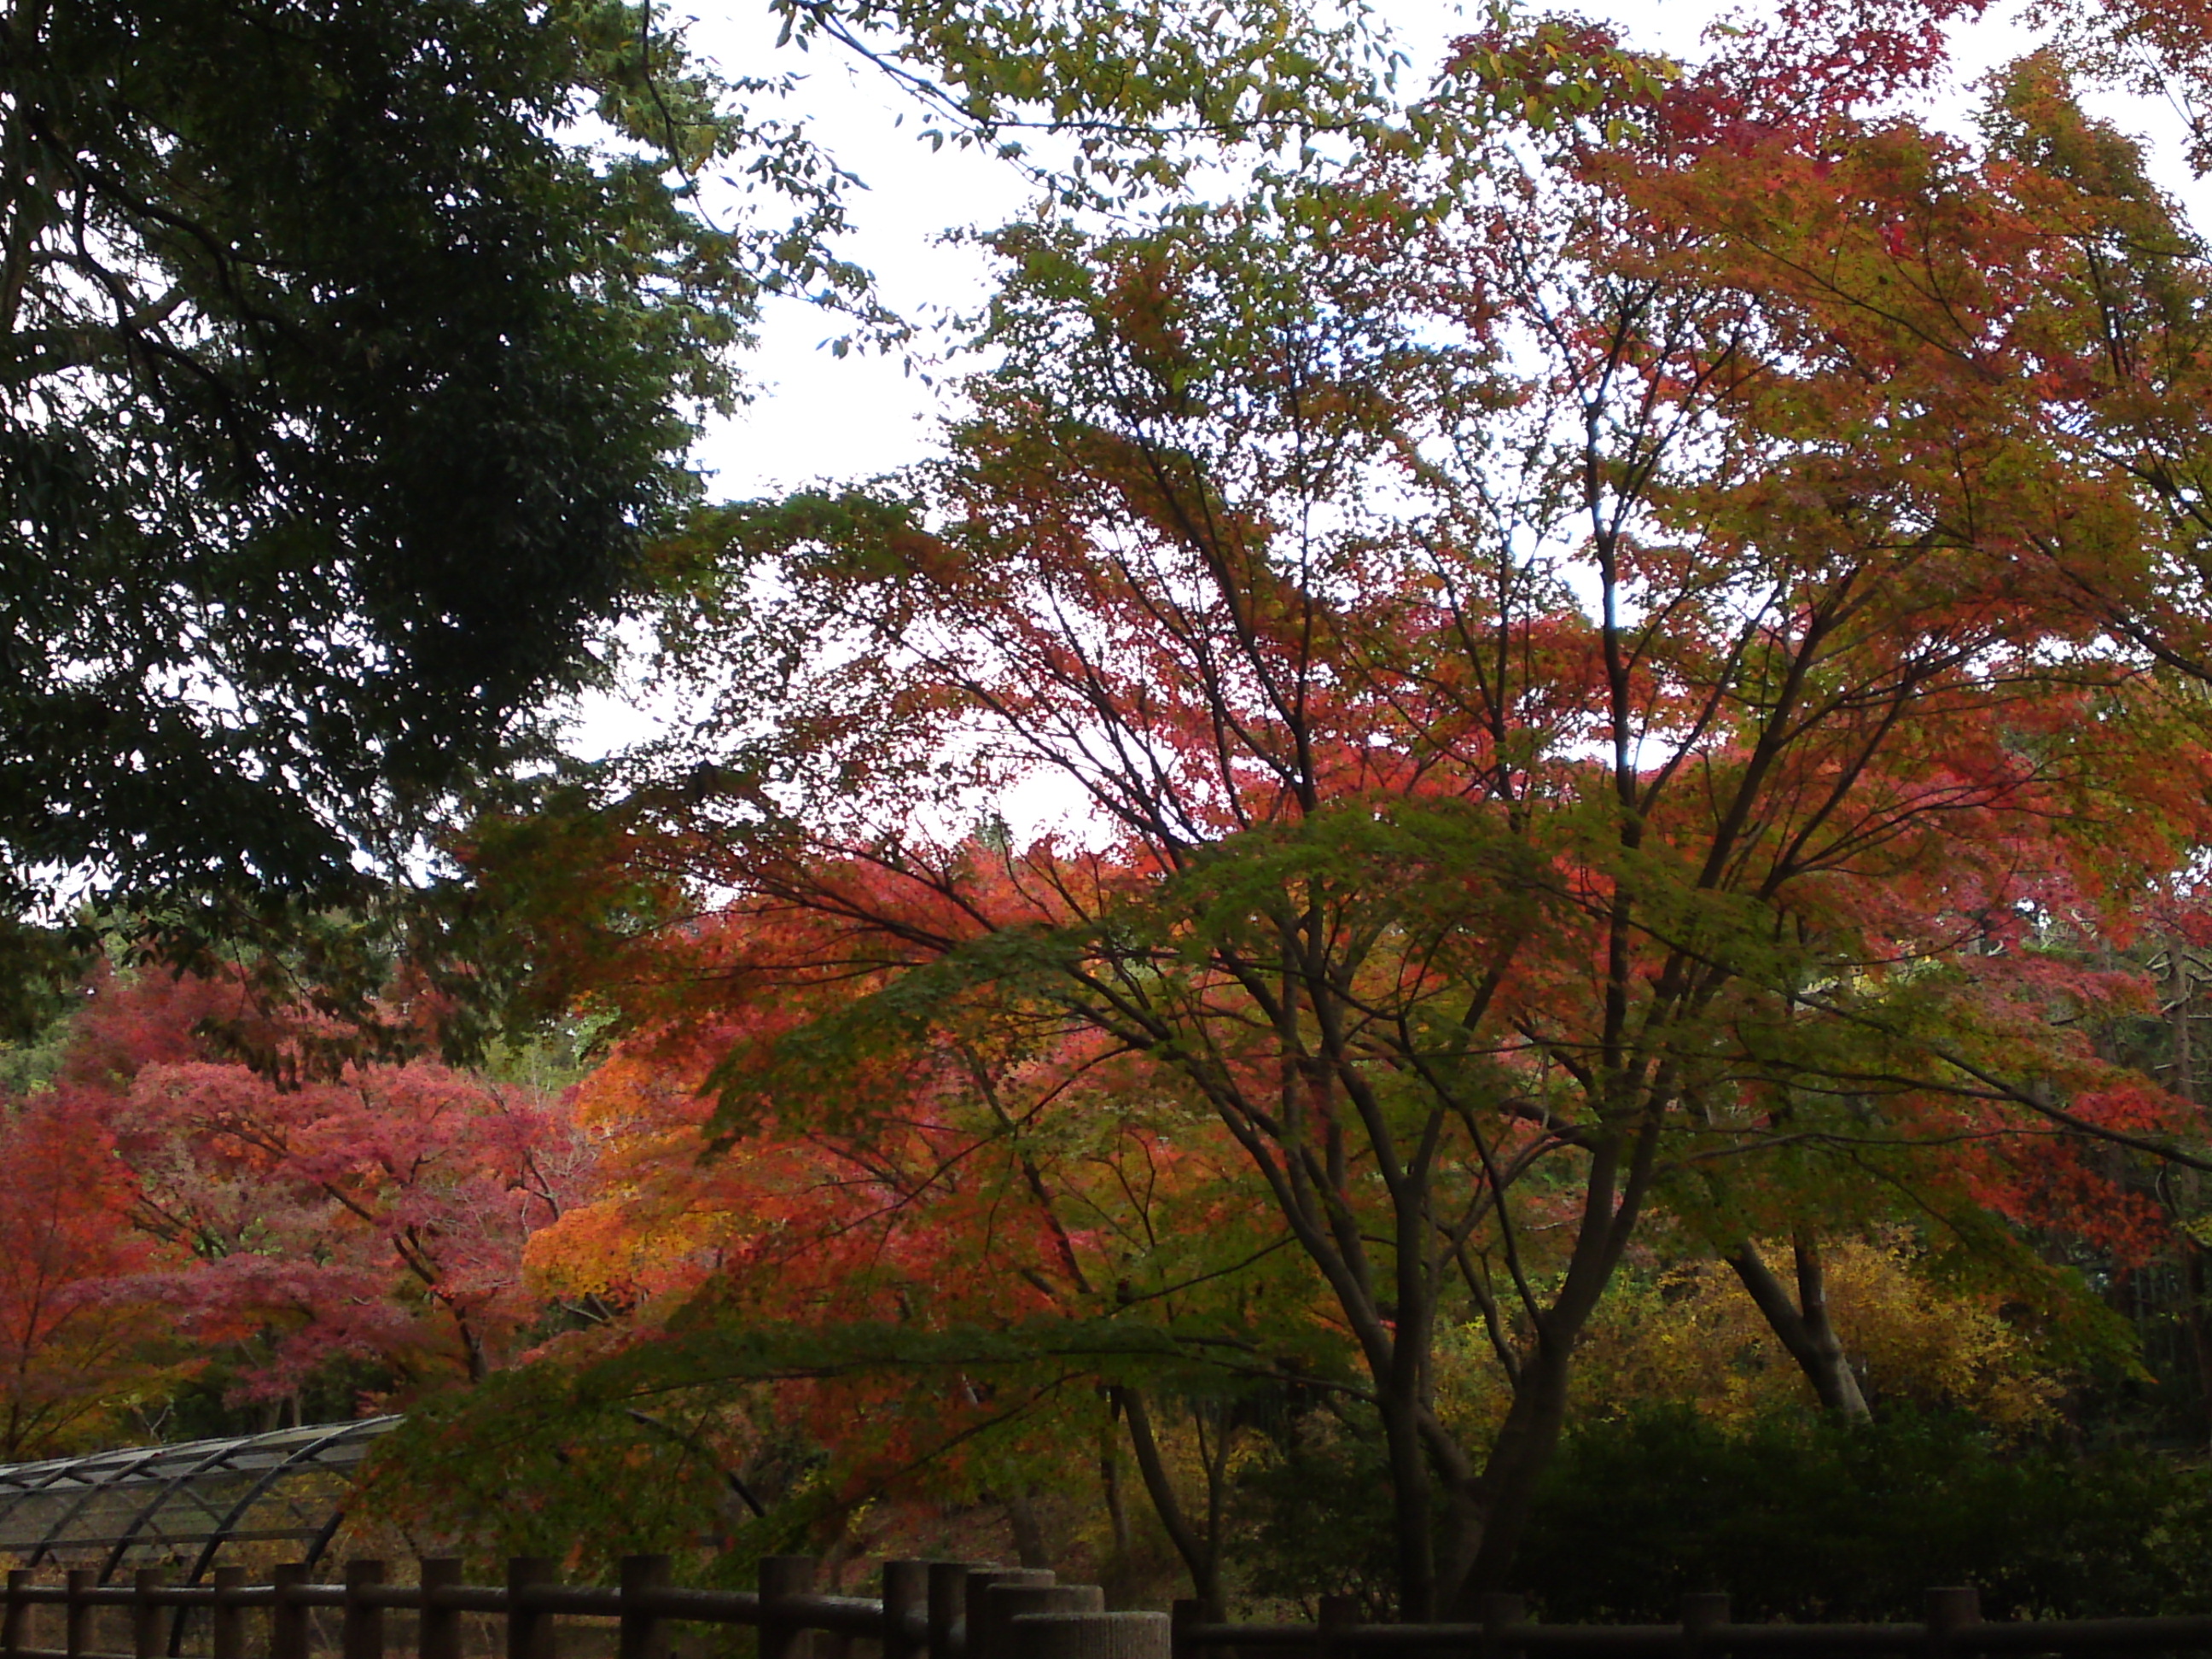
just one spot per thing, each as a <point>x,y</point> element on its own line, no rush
<point>1201,1554</point>
<point>1504,1494</point>
<point>1803,1325</point>
<point>1518,1456</point>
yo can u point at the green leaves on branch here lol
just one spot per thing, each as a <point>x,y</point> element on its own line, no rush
<point>345,386</point>
<point>1140,94</point>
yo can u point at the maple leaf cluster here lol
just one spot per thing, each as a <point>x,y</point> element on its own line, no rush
<point>177,1217</point>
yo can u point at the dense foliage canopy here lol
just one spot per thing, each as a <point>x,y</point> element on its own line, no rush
<point>1523,798</point>
<point>1593,666</point>
<point>348,379</point>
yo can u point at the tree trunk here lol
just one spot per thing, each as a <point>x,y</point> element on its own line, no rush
<point>1517,1459</point>
<point>1803,1326</point>
<point>2183,1081</point>
<point>2194,1290</point>
<point>1409,1499</point>
<point>1029,1547</point>
<point>1201,1557</point>
<point>1117,1507</point>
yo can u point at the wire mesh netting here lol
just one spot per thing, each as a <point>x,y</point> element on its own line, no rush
<point>256,1499</point>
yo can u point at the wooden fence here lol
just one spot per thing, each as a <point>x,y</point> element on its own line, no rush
<point>1952,1628</point>
<point>957,1610</point>
<point>927,1610</point>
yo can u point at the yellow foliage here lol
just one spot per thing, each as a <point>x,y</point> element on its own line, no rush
<point>1690,1335</point>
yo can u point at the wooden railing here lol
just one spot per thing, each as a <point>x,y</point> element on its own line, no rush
<point>1952,1628</point>
<point>927,1610</point>
<point>956,1610</point>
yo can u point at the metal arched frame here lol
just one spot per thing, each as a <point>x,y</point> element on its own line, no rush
<point>92,1489</point>
<point>56,1473</point>
<point>114,1502</point>
<point>175,1484</point>
<point>304,1457</point>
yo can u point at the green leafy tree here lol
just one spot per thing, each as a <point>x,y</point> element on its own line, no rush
<point>351,354</point>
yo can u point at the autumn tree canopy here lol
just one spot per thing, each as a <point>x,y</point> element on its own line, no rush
<point>1570,667</point>
<point>1508,732</point>
<point>358,1238</point>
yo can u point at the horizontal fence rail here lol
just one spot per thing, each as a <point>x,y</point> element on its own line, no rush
<point>949,1610</point>
<point>1954,1628</point>
<point>927,1610</point>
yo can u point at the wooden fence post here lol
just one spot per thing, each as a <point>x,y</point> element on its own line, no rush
<point>1703,1611</point>
<point>437,1630</point>
<point>782,1576</point>
<point>1091,1636</point>
<point>906,1603</point>
<point>1950,1608</point>
<point>1499,1611</point>
<point>1338,1614</point>
<point>1004,1603</point>
<point>15,1621</point>
<point>287,1617</point>
<point>529,1633</point>
<point>146,1612</point>
<point>644,1634</point>
<point>948,1605</point>
<point>362,1634</point>
<point>225,1619</point>
<point>973,1636</point>
<point>76,1625</point>
<point>1185,1614</point>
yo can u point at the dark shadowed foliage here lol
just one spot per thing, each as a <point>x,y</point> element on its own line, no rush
<point>1825,1519</point>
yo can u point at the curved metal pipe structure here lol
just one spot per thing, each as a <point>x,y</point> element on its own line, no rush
<point>187,1501</point>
